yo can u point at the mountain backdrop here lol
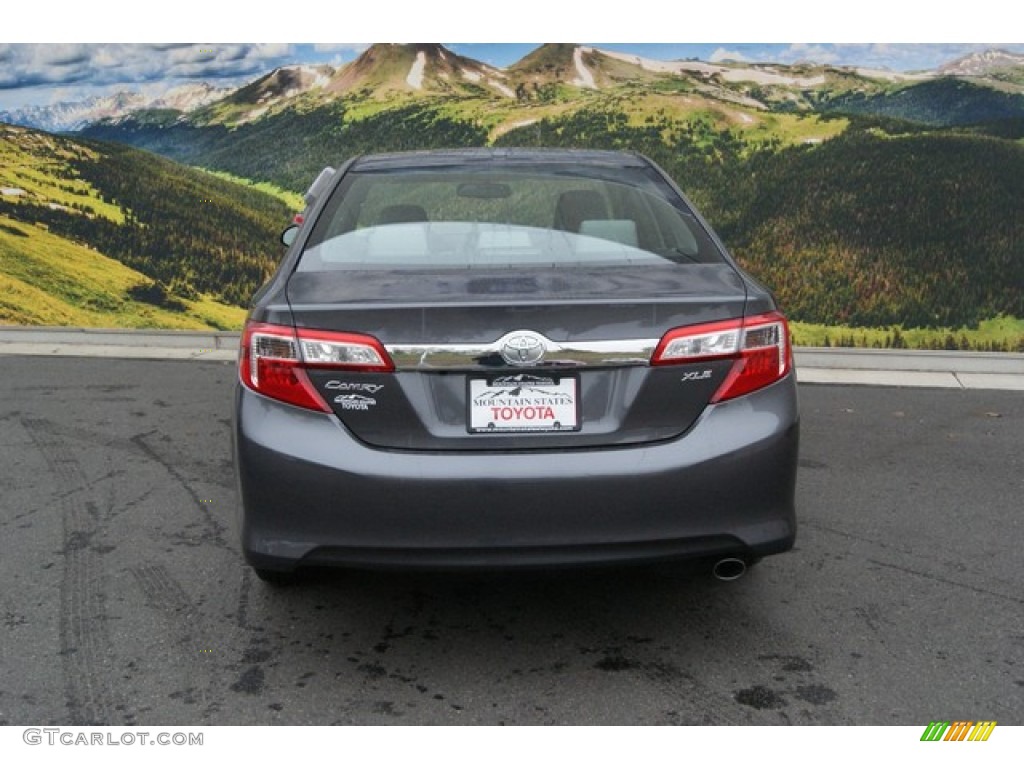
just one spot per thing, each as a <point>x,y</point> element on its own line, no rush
<point>863,198</point>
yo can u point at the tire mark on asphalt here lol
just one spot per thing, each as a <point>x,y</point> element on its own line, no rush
<point>215,528</point>
<point>212,473</point>
<point>84,638</point>
<point>252,680</point>
<point>166,594</point>
<point>105,388</point>
<point>951,582</point>
<point>242,612</point>
<point>176,605</point>
<point>910,553</point>
<point>182,617</point>
<point>162,591</point>
<point>108,476</point>
<point>857,537</point>
<point>92,436</point>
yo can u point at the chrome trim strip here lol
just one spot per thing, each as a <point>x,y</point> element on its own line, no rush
<point>487,356</point>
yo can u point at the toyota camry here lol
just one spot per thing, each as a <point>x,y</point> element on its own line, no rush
<point>502,358</point>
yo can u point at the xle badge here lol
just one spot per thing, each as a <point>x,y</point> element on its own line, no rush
<point>696,375</point>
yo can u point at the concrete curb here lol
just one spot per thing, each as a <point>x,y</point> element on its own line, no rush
<point>815,365</point>
<point>910,360</point>
<point>911,368</point>
<point>102,342</point>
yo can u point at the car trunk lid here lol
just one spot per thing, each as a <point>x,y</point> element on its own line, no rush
<point>463,343</point>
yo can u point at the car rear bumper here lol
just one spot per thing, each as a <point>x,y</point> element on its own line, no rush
<point>311,493</point>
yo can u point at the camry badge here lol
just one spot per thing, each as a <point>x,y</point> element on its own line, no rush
<point>523,348</point>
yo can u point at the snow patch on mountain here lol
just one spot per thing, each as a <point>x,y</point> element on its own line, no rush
<point>983,63</point>
<point>189,96</point>
<point>895,77</point>
<point>320,76</point>
<point>769,77</point>
<point>665,67</point>
<point>415,76</point>
<point>504,89</point>
<point>74,115</point>
<point>70,116</point>
<point>760,75</point>
<point>586,77</point>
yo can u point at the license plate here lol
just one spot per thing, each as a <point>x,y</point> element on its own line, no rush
<point>523,402</point>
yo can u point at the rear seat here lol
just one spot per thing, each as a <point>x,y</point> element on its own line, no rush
<point>617,230</point>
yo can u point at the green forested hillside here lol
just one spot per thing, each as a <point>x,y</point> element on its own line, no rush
<point>867,229</point>
<point>701,156</point>
<point>189,233</point>
<point>885,224</point>
<point>872,229</point>
<point>46,279</point>
<point>290,148</point>
<point>947,101</point>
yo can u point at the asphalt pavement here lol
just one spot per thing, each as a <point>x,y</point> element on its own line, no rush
<point>126,602</point>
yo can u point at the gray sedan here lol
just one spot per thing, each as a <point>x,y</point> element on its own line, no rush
<point>504,358</point>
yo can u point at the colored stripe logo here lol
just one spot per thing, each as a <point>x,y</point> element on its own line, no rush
<point>960,730</point>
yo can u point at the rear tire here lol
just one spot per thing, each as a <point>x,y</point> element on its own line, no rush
<point>276,578</point>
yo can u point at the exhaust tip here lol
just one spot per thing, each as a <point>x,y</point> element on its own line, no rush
<point>729,569</point>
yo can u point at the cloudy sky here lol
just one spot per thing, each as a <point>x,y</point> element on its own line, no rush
<point>45,63</point>
<point>52,72</point>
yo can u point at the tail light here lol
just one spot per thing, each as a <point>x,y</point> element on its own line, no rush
<point>759,345</point>
<point>274,359</point>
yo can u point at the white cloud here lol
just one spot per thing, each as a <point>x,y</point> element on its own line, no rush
<point>900,57</point>
<point>29,65</point>
<point>60,55</point>
<point>722,54</point>
<point>340,47</point>
<point>817,54</point>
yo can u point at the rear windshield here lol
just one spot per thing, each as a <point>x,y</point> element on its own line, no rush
<point>505,217</point>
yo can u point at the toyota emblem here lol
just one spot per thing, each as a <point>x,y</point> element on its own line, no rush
<point>523,348</point>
